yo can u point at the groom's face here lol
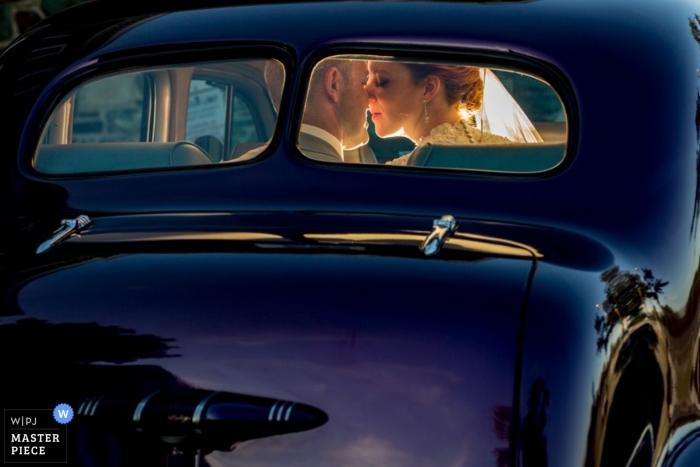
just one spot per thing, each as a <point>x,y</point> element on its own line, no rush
<point>354,105</point>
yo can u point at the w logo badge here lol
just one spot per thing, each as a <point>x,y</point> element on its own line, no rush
<point>63,413</point>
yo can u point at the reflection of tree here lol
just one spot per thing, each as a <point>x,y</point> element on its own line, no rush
<point>695,28</point>
<point>501,427</point>
<point>625,297</point>
<point>37,355</point>
<point>534,442</point>
<point>45,363</point>
<point>696,206</point>
<point>70,343</point>
<point>695,32</point>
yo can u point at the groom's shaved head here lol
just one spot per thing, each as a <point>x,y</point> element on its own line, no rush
<point>337,101</point>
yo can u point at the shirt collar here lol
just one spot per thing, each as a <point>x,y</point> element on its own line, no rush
<point>325,136</point>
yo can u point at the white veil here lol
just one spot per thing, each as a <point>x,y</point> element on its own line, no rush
<point>501,115</point>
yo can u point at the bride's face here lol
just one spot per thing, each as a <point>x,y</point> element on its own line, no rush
<point>395,101</point>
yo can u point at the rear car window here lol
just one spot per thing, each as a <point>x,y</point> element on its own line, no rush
<point>385,111</point>
<point>133,120</point>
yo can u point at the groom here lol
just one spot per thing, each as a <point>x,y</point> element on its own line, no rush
<point>335,118</point>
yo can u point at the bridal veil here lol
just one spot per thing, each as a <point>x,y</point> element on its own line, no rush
<point>501,115</point>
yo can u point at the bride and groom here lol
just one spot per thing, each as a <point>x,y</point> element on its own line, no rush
<point>427,103</point>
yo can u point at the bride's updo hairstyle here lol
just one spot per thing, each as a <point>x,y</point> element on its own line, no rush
<point>463,85</point>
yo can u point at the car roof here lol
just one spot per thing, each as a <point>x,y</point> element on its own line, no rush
<point>630,68</point>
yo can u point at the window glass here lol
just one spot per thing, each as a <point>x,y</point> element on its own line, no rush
<point>111,110</point>
<point>206,116</point>
<point>134,120</point>
<point>244,128</point>
<point>206,110</point>
<point>383,111</point>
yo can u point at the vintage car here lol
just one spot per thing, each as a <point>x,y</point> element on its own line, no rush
<point>202,287</point>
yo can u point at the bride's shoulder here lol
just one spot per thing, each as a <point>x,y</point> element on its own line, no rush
<point>448,133</point>
<point>488,138</point>
<point>461,132</point>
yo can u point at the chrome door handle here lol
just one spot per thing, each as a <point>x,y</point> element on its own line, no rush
<point>442,229</point>
<point>68,228</point>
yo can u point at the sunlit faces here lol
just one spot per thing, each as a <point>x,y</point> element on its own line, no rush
<point>354,104</point>
<point>395,101</point>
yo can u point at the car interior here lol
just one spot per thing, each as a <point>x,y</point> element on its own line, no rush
<point>226,112</point>
<point>134,121</point>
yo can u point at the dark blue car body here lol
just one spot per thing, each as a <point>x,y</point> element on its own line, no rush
<point>559,326</point>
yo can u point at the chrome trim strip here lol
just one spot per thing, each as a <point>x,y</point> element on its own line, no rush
<point>197,416</point>
<point>289,411</point>
<point>82,404</point>
<point>139,408</point>
<point>279,411</point>
<point>94,406</point>
<point>272,411</point>
<point>90,401</point>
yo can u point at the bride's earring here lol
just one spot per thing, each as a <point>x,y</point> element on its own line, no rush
<point>425,109</point>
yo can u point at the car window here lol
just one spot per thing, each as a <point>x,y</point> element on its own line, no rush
<point>133,120</point>
<point>384,111</point>
<point>206,115</point>
<point>111,110</point>
<point>244,129</point>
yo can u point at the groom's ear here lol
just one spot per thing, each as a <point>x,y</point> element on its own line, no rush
<point>332,83</point>
<point>432,86</point>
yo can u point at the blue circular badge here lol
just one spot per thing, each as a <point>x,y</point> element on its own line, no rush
<point>63,413</point>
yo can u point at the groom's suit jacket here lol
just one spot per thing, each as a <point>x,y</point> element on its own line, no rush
<point>318,149</point>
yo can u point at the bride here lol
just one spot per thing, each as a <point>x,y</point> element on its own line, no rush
<point>444,104</point>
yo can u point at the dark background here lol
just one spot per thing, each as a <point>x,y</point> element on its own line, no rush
<point>16,16</point>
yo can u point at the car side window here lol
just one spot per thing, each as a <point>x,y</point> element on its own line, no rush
<point>244,129</point>
<point>131,121</point>
<point>112,110</point>
<point>206,116</point>
<point>424,115</point>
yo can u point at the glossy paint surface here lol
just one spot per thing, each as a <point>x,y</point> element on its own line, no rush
<point>403,366</point>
